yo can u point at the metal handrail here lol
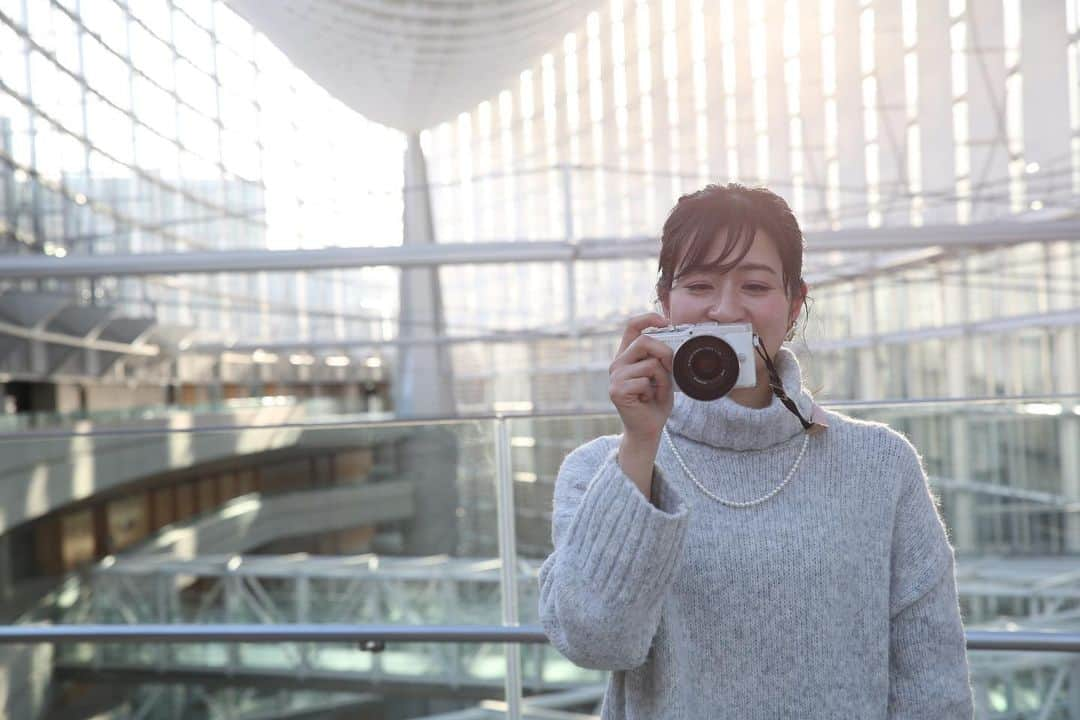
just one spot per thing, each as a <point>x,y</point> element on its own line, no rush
<point>285,632</point>
<point>602,411</point>
<point>374,637</point>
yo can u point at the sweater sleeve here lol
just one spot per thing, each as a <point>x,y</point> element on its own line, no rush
<point>601,590</point>
<point>928,669</point>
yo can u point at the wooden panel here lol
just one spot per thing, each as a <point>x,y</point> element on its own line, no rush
<point>355,540</point>
<point>353,466</point>
<point>286,476</point>
<point>327,544</point>
<point>185,501</point>
<point>76,539</point>
<point>164,507</point>
<point>207,494</point>
<point>46,546</point>
<point>232,390</point>
<point>128,520</point>
<point>245,482</point>
<point>190,395</point>
<point>227,487</point>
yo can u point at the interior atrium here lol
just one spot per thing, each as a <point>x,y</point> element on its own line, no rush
<point>303,303</point>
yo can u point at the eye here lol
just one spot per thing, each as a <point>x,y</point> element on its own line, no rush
<point>699,287</point>
<point>756,287</point>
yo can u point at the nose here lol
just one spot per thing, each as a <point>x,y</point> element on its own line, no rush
<point>726,307</point>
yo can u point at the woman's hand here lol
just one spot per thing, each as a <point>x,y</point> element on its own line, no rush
<point>641,390</point>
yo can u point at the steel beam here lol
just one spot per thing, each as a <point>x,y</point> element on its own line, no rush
<point>56,338</point>
<point>403,256</point>
<point>1058,318</point>
<point>340,633</point>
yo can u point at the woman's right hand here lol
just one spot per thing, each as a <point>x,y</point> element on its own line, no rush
<point>641,386</point>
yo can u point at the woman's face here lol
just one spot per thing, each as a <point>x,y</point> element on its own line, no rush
<point>752,292</point>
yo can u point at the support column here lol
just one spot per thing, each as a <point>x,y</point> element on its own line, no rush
<point>7,582</point>
<point>1044,68</point>
<point>1069,442</point>
<point>778,172</point>
<point>424,376</point>
<point>865,325</point>
<point>664,185</point>
<point>812,115</point>
<point>936,149</point>
<point>957,368</point>
<point>961,519</point>
<point>7,177</point>
<point>1074,686</point>
<point>851,133</point>
<point>891,113</point>
<point>1066,357</point>
<point>745,136</point>
<point>640,82</point>
<point>989,165</point>
<point>429,458</point>
<point>715,100</point>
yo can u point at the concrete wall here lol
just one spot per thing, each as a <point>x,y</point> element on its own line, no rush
<point>248,522</point>
<point>113,397</point>
<point>42,473</point>
<point>25,677</point>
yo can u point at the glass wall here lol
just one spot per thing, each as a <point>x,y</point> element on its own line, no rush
<point>409,533</point>
<point>861,113</point>
<point>154,126</point>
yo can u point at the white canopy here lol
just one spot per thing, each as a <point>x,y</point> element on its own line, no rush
<point>412,64</point>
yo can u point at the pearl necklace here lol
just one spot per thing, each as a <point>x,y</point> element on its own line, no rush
<point>733,503</point>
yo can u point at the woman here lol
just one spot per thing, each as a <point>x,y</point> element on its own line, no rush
<point>746,557</point>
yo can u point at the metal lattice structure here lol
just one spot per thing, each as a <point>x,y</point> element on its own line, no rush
<point>1039,593</point>
<point>435,590</point>
<point>411,65</point>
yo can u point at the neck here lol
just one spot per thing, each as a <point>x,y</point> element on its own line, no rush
<point>747,419</point>
<point>757,397</point>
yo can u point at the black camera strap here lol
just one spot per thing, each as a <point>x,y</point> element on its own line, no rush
<point>777,386</point>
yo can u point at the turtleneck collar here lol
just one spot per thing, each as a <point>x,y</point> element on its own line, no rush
<point>725,424</point>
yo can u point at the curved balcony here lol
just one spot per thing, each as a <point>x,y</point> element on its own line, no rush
<point>211,616</point>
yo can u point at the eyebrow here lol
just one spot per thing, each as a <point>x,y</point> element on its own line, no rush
<point>755,266</point>
<point>744,267</point>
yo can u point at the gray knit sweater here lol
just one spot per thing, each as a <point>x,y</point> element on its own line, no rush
<point>834,599</point>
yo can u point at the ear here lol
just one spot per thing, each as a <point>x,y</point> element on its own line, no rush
<point>664,297</point>
<point>797,303</point>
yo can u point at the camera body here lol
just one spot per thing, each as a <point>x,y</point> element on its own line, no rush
<point>711,359</point>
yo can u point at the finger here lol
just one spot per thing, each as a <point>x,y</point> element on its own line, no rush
<point>634,390</point>
<point>644,346</point>
<point>651,371</point>
<point>648,367</point>
<point>663,383</point>
<point>638,323</point>
<point>660,380</point>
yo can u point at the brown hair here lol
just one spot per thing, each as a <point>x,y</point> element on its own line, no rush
<point>742,211</point>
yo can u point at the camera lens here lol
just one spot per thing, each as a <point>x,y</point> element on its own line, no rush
<point>705,367</point>
<point>705,363</point>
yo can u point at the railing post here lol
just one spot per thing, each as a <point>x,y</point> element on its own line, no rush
<point>233,604</point>
<point>571,283</point>
<point>162,590</point>
<point>302,600</point>
<point>97,589</point>
<point>508,576</point>
<point>568,201</point>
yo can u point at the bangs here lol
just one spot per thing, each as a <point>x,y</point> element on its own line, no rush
<point>697,243</point>
<point>735,214</point>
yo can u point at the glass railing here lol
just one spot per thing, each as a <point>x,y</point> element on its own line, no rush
<point>441,524</point>
<point>238,408</point>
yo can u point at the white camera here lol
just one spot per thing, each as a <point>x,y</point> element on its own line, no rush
<point>711,359</point>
